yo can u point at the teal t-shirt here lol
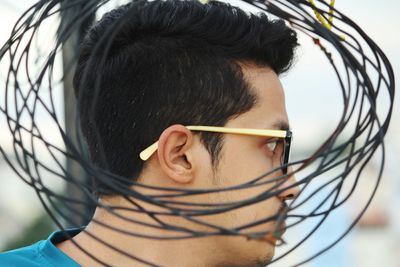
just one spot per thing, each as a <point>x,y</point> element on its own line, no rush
<point>42,253</point>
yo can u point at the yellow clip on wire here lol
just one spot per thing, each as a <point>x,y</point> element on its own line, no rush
<point>321,19</point>
<point>326,23</point>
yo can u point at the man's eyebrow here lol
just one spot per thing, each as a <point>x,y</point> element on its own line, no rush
<point>281,125</point>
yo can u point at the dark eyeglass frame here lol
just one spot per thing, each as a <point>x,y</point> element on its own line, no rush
<point>286,151</point>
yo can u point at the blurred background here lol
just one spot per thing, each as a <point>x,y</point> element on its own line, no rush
<point>314,104</point>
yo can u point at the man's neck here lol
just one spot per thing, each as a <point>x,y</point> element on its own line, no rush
<point>119,248</point>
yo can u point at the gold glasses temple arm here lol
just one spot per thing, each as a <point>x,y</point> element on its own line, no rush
<point>146,154</point>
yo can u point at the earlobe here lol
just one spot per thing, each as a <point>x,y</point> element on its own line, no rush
<point>173,152</point>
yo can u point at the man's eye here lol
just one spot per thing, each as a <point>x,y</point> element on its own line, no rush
<point>271,145</point>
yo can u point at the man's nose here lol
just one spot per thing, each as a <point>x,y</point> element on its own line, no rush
<point>291,189</point>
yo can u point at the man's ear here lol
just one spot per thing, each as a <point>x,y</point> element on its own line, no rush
<point>173,153</point>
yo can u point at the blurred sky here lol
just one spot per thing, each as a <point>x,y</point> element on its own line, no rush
<point>313,99</point>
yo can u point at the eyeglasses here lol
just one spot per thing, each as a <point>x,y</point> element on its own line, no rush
<point>285,135</point>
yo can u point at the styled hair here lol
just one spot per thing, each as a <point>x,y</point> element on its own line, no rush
<point>150,64</point>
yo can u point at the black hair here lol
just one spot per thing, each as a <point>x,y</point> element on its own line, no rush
<point>150,64</point>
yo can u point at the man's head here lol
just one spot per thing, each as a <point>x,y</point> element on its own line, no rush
<point>170,62</point>
<point>157,66</point>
